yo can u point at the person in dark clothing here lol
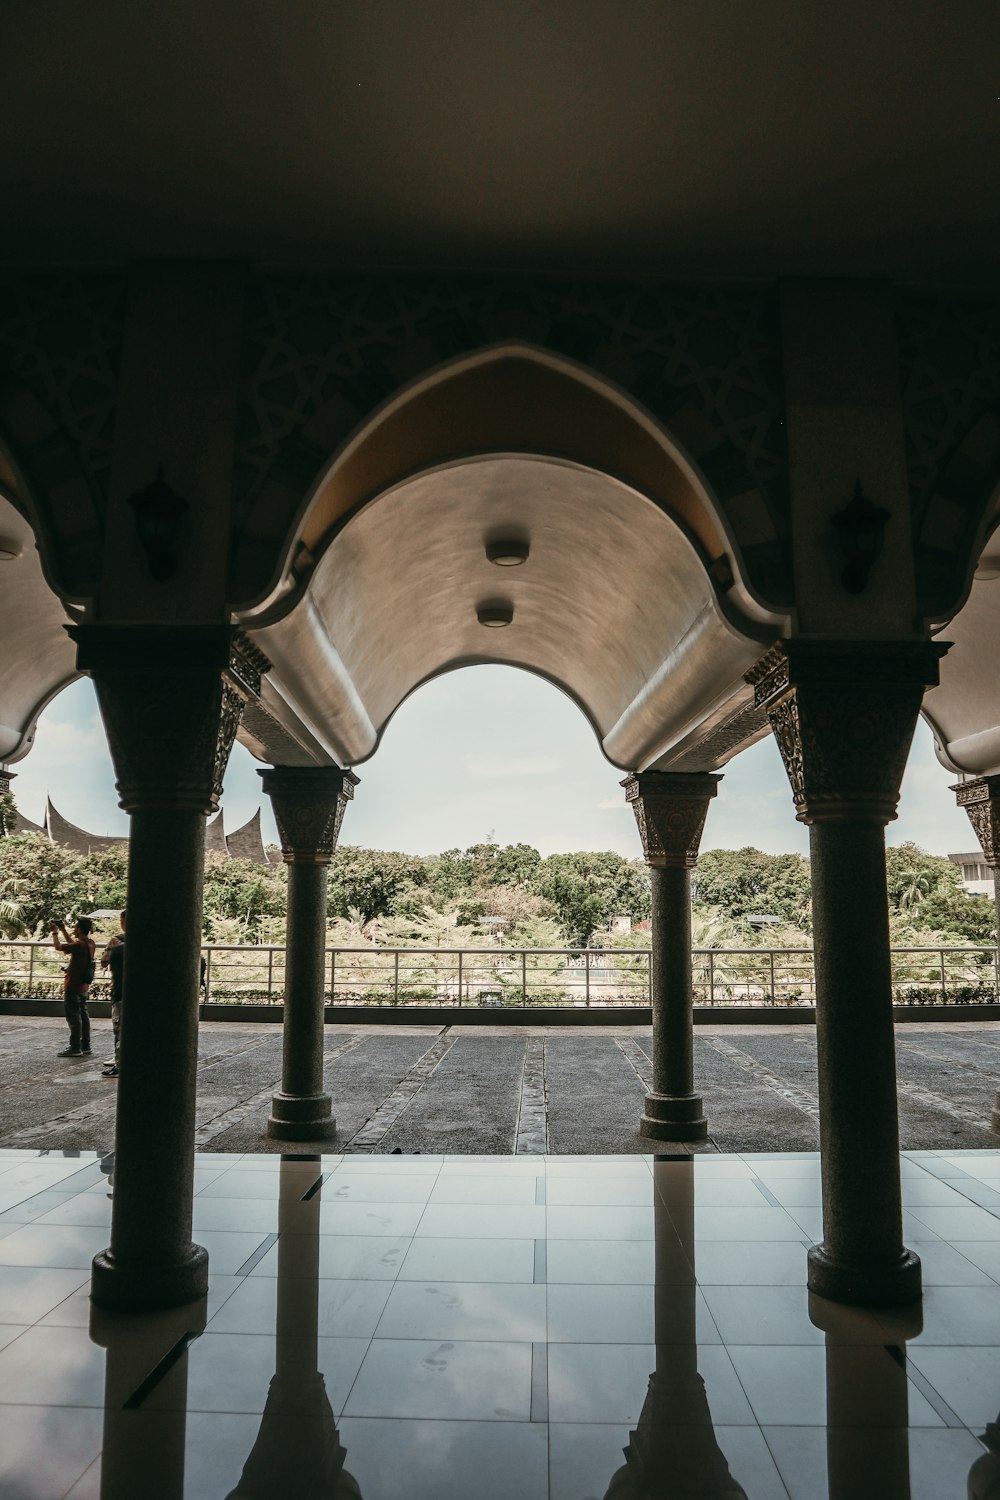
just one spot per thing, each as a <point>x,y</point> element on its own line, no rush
<point>113,959</point>
<point>76,984</point>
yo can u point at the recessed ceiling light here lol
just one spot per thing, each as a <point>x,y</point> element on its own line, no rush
<point>495,614</point>
<point>507,552</point>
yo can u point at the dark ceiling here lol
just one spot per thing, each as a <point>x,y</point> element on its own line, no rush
<point>668,137</point>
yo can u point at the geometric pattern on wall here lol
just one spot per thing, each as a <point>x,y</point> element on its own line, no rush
<point>61,336</point>
<point>703,359</point>
<point>949,352</point>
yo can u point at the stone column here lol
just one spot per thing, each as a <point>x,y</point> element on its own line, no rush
<point>309,803</point>
<point>171,700</point>
<point>670,810</point>
<point>981,800</point>
<point>843,715</point>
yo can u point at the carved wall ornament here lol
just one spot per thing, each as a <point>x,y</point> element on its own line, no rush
<point>248,665</point>
<point>843,715</point>
<point>309,804</point>
<point>670,809</point>
<point>981,800</point>
<point>325,350</point>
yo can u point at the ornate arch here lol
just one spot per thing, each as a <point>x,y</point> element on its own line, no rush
<point>323,354</point>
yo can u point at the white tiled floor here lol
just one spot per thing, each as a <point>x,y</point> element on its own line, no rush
<point>504,1328</point>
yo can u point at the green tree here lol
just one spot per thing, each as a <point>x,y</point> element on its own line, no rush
<point>104,878</point>
<point>239,890</point>
<point>8,812</point>
<point>49,878</point>
<point>373,881</point>
<point>745,882</point>
<point>588,889</point>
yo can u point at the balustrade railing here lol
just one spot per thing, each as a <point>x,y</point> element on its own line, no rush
<point>495,977</point>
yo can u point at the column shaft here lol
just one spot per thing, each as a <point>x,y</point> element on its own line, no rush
<point>171,699</point>
<point>302,1044</point>
<point>673,1110</point>
<point>309,803</point>
<point>859,1130</point>
<point>843,714</point>
<point>151,1254</point>
<point>670,811</point>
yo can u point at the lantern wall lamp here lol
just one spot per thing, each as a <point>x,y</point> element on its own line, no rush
<point>158,511</point>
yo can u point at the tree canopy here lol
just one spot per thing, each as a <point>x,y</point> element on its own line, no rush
<point>465,895</point>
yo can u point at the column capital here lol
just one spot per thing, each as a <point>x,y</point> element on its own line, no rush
<point>981,800</point>
<point>670,810</point>
<point>309,804</point>
<point>843,715</point>
<point>171,698</point>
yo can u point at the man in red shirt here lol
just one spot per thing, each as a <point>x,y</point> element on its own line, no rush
<point>76,985</point>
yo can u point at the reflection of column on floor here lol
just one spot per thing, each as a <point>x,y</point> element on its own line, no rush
<point>135,1449</point>
<point>867,1407</point>
<point>670,811</point>
<point>298,1450</point>
<point>984,1476</point>
<point>673,1449</point>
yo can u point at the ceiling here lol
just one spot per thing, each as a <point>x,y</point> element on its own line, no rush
<point>622,136</point>
<point>614,605</point>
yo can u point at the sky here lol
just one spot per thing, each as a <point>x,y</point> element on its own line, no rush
<point>484,752</point>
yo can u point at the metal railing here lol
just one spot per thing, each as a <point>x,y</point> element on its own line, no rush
<point>496,977</point>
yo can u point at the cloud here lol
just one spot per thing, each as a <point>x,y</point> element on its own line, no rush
<point>607,804</point>
<point>486,766</point>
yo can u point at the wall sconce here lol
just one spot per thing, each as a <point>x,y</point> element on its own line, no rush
<point>860,532</point>
<point>158,511</point>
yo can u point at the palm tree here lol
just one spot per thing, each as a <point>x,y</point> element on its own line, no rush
<point>912,889</point>
<point>11,921</point>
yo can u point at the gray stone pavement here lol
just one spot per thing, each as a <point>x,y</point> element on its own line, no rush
<point>502,1089</point>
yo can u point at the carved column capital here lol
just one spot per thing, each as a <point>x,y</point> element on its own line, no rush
<point>309,804</point>
<point>670,810</point>
<point>843,715</point>
<point>981,800</point>
<point>171,701</point>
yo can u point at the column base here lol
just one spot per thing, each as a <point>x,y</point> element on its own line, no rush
<point>301,1117</point>
<point>861,1284</point>
<point>146,1288</point>
<point>674,1117</point>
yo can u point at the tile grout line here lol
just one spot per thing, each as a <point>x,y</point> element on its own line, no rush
<point>807,1103</point>
<point>377,1126</point>
<point>531,1133</point>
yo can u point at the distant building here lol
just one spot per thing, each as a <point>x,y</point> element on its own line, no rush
<point>977,877</point>
<point>245,843</point>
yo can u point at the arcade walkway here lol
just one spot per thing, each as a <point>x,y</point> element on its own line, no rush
<point>503,1089</point>
<point>545,1328</point>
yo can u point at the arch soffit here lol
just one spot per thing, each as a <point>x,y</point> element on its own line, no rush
<point>508,397</point>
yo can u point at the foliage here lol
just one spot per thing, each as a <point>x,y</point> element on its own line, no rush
<point>50,879</point>
<point>927,903</point>
<point>8,812</point>
<point>588,890</point>
<point>240,892</point>
<point>373,882</point>
<point>747,882</point>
